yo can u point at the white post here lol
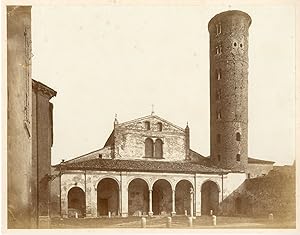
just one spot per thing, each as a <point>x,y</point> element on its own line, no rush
<point>169,222</point>
<point>150,203</point>
<point>190,221</point>
<point>173,203</point>
<point>214,220</point>
<point>109,214</point>
<point>143,222</point>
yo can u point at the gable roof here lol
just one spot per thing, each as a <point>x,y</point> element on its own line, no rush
<point>151,116</point>
<point>143,166</point>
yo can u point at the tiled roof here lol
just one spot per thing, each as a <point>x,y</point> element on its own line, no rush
<point>258,161</point>
<point>142,165</point>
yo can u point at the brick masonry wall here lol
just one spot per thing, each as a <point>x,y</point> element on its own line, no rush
<point>130,139</point>
<point>229,93</point>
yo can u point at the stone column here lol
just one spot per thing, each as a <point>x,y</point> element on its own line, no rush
<point>173,203</point>
<point>93,196</point>
<point>120,202</point>
<point>198,200</point>
<point>124,198</point>
<point>150,203</point>
<point>192,202</point>
<point>88,196</point>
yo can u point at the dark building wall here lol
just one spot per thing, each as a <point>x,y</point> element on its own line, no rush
<point>19,116</point>
<point>274,193</point>
<point>229,89</point>
<point>42,127</point>
<point>55,194</point>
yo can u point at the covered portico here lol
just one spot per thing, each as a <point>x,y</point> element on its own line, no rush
<point>151,188</point>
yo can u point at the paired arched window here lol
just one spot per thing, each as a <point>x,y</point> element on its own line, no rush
<point>149,148</point>
<point>158,148</point>
<point>153,150</point>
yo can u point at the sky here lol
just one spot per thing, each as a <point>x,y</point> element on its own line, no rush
<point>105,59</point>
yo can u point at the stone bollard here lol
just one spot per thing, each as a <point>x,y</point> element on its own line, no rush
<point>76,215</point>
<point>214,220</point>
<point>139,213</point>
<point>169,222</point>
<point>190,222</point>
<point>211,212</point>
<point>185,212</point>
<point>143,222</point>
<point>109,214</point>
<point>271,217</point>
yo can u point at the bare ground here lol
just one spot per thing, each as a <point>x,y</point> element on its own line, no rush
<point>177,222</point>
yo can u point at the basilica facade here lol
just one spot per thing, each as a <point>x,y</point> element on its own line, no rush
<point>146,167</point>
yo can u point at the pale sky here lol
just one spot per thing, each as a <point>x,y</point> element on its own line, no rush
<point>103,60</point>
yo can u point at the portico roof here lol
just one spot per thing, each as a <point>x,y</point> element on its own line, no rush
<point>142,166</point>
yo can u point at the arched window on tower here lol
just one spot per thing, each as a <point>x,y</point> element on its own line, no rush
<point>219,74</point>
<point>158,148</point>
<point>218,96</point>
<point>149,148</point>
<point>218,138</point>
<point>238,136</point>
<point>238,157</point>
<point>219,115</point>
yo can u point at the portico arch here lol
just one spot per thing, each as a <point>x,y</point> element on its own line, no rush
<point>76,201</point>
<point>183,197</point>
<point>138,197</point>
<point>209,197</point>
<point>107,197</point>
<point>162,197</point>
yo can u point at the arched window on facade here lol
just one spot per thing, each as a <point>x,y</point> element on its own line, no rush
<point>149,148</point>
<point>147,125</point>
<point>158,148</point>
<point>238,136</point>
<point>159,126</point>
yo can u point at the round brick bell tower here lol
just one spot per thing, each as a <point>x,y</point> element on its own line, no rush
<point>229,89</point>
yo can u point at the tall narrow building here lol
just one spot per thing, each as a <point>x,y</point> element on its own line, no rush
<point>19,128</point>
<point>229,89</point>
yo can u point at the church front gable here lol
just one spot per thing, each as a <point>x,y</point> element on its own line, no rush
<point>150,138</point>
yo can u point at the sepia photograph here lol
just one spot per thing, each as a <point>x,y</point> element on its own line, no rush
<point>177,115</point>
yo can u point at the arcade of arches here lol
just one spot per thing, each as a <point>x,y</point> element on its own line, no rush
<point>132,194</point>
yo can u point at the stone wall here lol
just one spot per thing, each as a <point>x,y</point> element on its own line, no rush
<point>255,170</point>
<point>130,139</point>
<point>274,193</point>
